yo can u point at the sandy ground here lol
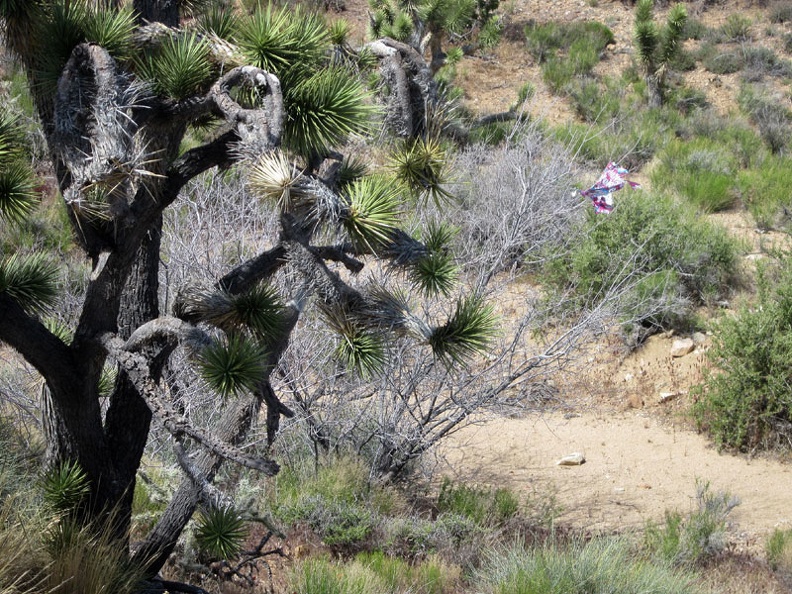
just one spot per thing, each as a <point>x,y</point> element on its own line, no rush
<point>642,456</point>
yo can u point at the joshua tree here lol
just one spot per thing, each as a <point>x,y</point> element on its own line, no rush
<point>657,46</point>
<point>427,22</point>
<point>118,91</point>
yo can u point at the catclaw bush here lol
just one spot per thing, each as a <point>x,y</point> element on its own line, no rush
<point>657,254</point>
<point>745,405</point>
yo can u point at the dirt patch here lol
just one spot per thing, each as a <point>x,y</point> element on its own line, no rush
<point>642,454</point>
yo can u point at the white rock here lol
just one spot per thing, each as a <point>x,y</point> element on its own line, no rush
<point>682,347</point>
<point>699,338</point>
<point>575,459</point>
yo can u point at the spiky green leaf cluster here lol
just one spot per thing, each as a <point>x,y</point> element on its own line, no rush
<point>286,41</point>
<point>107,380</point>
<point>672,35</point>
<point>16,9</point>
<point>372,211</point>
<point>469,330</point>
<point>339,31</point>
<point>220,532</point>
<point>233,365</point>
<point>31,281</point>
<point>325,108</point>
<point>69,23</point>
<point>219,21</point>
<point>274,177</point>
<point>351,170</point>
<point>65,486</point>
<point>261,310</point>
<point>18,196</point>
<point>646,37</point>
<point>436,273</point>
<point>258,310</point>
<point>359,347</point>
<point>179,68</point>
<point>112,29</point>
<point>454,16</point>
<point>421,165</point>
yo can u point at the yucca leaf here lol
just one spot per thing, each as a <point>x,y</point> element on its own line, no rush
<point>65,487</point>
<point>675,23</point>
<point>352,169</point>
<point>107,380</point>
<point>232,365</point>
<point>59,329</point>
<point>421,165</point>
<point>261,310</point>
<point>401,28</point>
<point>322,110</point>
<point>643,11</point>
<point>179,68</point>
<point>458,15</point>
<point>275,178</point>
<point>63,30</point>
<point>436,273</point>
<point>219,21</point>
<point>470,330</point>
<point>220,532</point>
<point>18,197</point>
<point>339,31</point>
<point>12,137</point>
<point>358,348</point>
<point>112,29</point>
<point>16,9</point>
<point>391,310</point>
<point>372,212</point>
<point>646,37</point>
<point>287,42</point>
<point>31,281</point>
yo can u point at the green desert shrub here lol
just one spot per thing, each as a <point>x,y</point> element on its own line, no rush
<point>737,28</point>
<point>599,566</point>
<point>778,549</point>
<point>596,101</point>
<point>372,573</point>
<point>768,112</point>
<point>724,62</point>
<point>764,190</point>
<point>761,62</point>
<point>336,501</point>
<point>695,537</point>
<point>545,40</point>
<point>780,12</point>
<point>660,257</point>
<point>632,140</point>
<point>566,50</point>
<point>702,171</point>
<point>485,506</point>
<point>745,403</point>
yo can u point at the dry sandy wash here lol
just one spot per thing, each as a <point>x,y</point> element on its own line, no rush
<point>641,457</point>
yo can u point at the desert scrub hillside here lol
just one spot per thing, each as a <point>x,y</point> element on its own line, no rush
<point>300,277</point>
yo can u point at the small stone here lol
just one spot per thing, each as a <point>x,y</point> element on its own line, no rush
<point>682,347</point>
<point>575,459</point>
<point>628,377</point>
<point>699,338</point>
<point>666,396</point>
<point>635,401</point>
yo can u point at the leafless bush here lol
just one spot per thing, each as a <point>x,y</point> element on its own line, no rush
<point>516,201</point>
